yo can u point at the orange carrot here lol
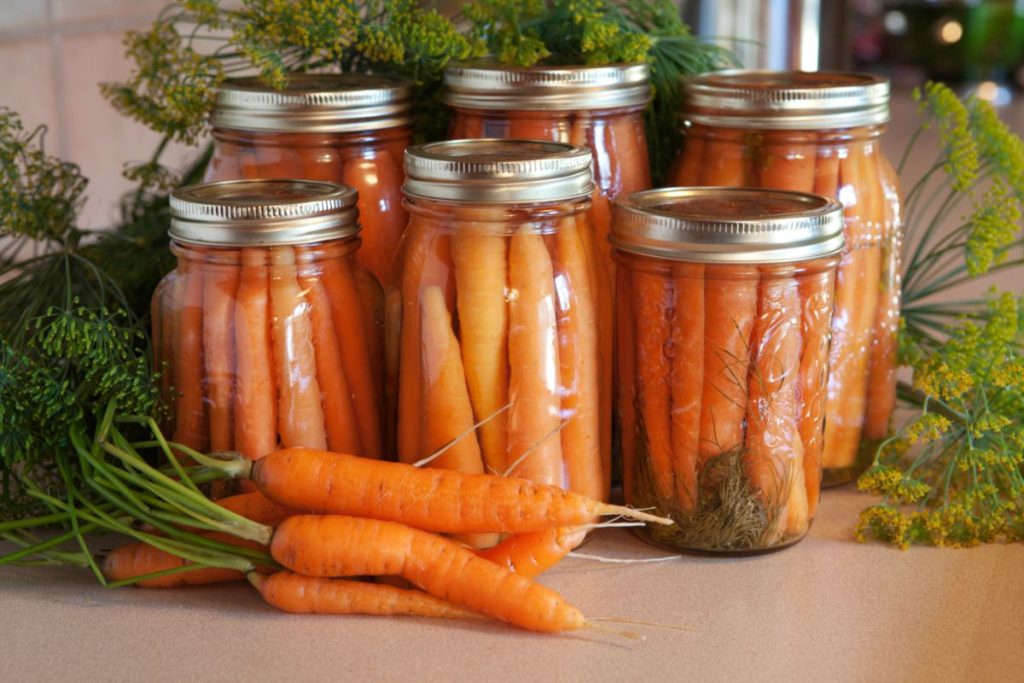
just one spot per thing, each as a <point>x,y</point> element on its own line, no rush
<point>580,364</point>
<point>336,396</point>
<point>816,304</point>
<point>255,392</point>
<point>479,252</point>
<point>378,178</point>
<point>434,564</point>
<point>426,498</point>
<point>538,126</point>
<point>826,170</point>
<point>356,343</point>
<point>726,159</point>
<point>371,296</point>
<point>625,371</point>
<point>138,559</point>
<point>532,554</point>
<point>625,145</point>
<point>787,160</point>
<point>730,307</point>
<point>686,378</point>
<point>300,417</point>
<point>220,286</point>
<point>190,413</point>
<point>255,506</point>
<point>856,302</point>
<point>448,414</point>
<point>163,314</point>
<point>687,169</point>
<point>533,361</point>
<point>225,163</point>
<point>654,301</point>
<point>774,452</point>
<point>881,398</point>
<point>473,125</point>
<point>299,594</point>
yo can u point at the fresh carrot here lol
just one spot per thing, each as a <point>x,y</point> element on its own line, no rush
<point>881,398</point>
<point>255,506</point>
<point>255,391</point>
<point>730,308</point>
<point>654,302</point>
<point>336,396</point>
<point>687,170</point>
<point>300,417</point>
<point>686,378</point>
<point>378,178</point>
<point>190,411</point>
<point>580,364</point>
<point>448,414</point>
<point>479,253</point>
<point>787,160</point>
<point>773,449</point>
<point>625,372</point>
<point>426,498</point>
<point>132,560</point>
<point>856,302</point>
<point>434,564</point>
<point>356,343</point>
<point>534,553</point>
<point>299,594</point>
<point>534,415</point>
<point>220,286</point>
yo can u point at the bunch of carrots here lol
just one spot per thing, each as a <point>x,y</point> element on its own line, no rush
<point>264,346</point>
<point>720,363</point>
<point>861,392</point>
<point>495,324</point>
<point>317,518</point>
<point>370,163</point>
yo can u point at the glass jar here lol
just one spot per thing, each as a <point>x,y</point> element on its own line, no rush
<point>492,315</point>
<point>723,307</point>
<point>819,132</point>
<point>600,107</point>
<point>349,129</point>
<point>266,331</point>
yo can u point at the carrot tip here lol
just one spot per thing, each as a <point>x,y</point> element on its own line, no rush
<point>630,513</point>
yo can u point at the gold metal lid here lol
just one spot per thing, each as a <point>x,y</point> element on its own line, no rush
<point>263,213</point>
<point>498,171</point>
<point>314,103</point>
<point>493,86</point>
<point>728,225</point>
<point>786,100</point>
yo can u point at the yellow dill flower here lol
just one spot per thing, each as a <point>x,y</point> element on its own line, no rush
<point>927,428</point>
<point>993,228</point>
<point>944,110</point>
<point>998,145</point>
<point>883,523</point>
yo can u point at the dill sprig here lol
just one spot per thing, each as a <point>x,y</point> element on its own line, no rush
<point>954,474</point>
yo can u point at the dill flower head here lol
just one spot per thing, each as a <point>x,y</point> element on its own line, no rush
<point>998,146</point>
<point>943,109</point>
<point>994,226</point>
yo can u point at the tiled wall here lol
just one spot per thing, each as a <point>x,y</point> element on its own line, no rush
<point>53,55</point>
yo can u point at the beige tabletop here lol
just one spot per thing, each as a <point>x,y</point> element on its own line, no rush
<point>827,609</point>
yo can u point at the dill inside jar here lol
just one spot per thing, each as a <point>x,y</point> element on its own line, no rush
<point>723,307</point>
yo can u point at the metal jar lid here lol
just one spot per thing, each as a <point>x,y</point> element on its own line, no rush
<point>728,225</point>
<point>498,171</point>
<point>314,103</point>
<point>491,86</point>
<point>786,100</point>
<point>236,213</point>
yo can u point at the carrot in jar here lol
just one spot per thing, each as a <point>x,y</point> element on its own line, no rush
<point>371,296</point>
<point>686,378</point>
<point>726,160</point>
<point>687,169</point>
<point>480,257</point>
<point>625,371</point>
<point>300,415</point>
<point>538,126</point>
<point>163,315</point>
<point>190,425</point>
<point>730,309</point>
<point>826,170</point>
<point>534,392</point>
<point>787,160</point>
<point>256,389</point>
<point>816,312</point>
<point>378,179</point>
<point>220,286</point>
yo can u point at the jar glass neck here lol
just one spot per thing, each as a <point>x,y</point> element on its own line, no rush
<point>826,135</point>
<point>501,219</point>
<point>260,255</point>
<point>309,139</point>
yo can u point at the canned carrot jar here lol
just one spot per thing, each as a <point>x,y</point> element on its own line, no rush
<point>350,129</point>
<point>819,132</point>
<point>723,307</point>
<point>492,316</point>
<point>267,330</point>
<point>600,107</point>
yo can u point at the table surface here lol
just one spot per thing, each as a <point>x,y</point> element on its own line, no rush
<point>827,608</point>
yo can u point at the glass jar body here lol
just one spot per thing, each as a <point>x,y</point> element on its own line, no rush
<point>370,162</point>
<point>616,136</point>
<point>494,316</point>
<point>849,165</point>
<point>265,347</point>
<point>722,373</point>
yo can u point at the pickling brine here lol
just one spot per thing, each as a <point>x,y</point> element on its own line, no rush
<point>267,333</point>
<point>349,129</point>
<point>819,132</point>
<point>723,307</point>
<point>493,326</point>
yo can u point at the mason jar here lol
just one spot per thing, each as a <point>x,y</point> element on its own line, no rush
<point>492,327</point>
<point>723,308</point>
<point>819,132</point>
<point>265,333</point>
<point>350,129</point>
